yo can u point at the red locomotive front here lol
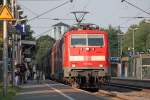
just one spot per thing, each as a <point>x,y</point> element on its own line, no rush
<point>85,50</point>
<point>81,54</point>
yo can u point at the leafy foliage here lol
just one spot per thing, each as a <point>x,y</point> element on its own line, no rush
<point>14,30</point>
<point>113,40</point>
<point>1,1</point>
<point>44,43</point>
<point>12,91</point>
<point>29,33</point>
<point>142,37</point>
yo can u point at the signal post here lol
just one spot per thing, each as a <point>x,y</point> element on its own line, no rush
<point>5,15</point>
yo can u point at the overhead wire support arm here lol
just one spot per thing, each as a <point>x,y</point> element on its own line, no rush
<point>50,10</point>
<point>135,6</point>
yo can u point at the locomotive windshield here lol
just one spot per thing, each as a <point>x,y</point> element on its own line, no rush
<point>78,40</point>
<point>95,40</point>
<point>87,40</point>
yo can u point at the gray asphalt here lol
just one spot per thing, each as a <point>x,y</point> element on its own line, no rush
<point>54,91</point>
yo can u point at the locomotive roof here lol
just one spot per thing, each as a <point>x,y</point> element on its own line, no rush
<point>81,28</point>
<point>85,26</point>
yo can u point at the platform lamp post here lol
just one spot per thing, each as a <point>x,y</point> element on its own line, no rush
<point>133,50</point>
<point>120,36</point>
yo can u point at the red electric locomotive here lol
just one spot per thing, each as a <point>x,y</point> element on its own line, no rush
<point>81,56</point>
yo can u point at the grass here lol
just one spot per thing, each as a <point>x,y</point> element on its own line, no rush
<point>11,92</point>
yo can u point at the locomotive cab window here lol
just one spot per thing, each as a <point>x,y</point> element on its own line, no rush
<point>78,40</point>
<point>95,40</point>
<point>87,40</point>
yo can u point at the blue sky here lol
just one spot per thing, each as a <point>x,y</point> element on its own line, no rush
<point>102,12</point>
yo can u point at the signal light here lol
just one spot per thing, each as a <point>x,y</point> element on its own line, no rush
<point>100,65</point>
<point>87,49</point>
<point>73,65</point>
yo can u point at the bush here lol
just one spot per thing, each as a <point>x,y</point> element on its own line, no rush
<point>11,93</point>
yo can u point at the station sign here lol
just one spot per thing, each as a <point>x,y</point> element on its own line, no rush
<point>115,59</point>
<point>22,28</point>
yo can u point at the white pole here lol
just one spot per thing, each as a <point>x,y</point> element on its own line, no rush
<point>134,60</point>
<point>5,55</point>
<point>133,43</point>
<point>133,53</point>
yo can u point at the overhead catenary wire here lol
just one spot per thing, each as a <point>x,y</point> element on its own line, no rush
<point>40,27</point>
<point>40,34</point>
<point>49,10</point>
<point>29,9</point>
<point>86,5</point>
<point>129,19</point>
<point>56,18</point>
<point>84,9</point>
<point>38,0</point>
<point>135,6</point>
<point>44,18</point>
<point>135,17</point>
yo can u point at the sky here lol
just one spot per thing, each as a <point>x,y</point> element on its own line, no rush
<point>101,12</point>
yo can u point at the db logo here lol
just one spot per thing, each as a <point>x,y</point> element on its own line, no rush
<point>87,58</point>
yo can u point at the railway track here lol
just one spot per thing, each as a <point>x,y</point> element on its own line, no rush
<point>137,88</point>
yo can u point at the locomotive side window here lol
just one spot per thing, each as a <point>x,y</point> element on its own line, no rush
<point>78,40</point>
<point>95,40</point>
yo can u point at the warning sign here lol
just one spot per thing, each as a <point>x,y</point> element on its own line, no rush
<point>5,13</point>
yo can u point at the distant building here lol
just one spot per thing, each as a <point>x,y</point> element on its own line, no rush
<point>124,68</point>
<point>142,69</point>
<point>58,30</point>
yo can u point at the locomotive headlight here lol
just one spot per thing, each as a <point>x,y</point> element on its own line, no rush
<point>73,65</point>
<point>100,65</point>
<point>87,49</point>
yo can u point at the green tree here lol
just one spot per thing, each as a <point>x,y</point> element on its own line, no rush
<point>1,1</point>
<point>113,40</point>
<point>142,37</point>
<point>128,38</point>
<point>29,33</point>
<point>44,43</point>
